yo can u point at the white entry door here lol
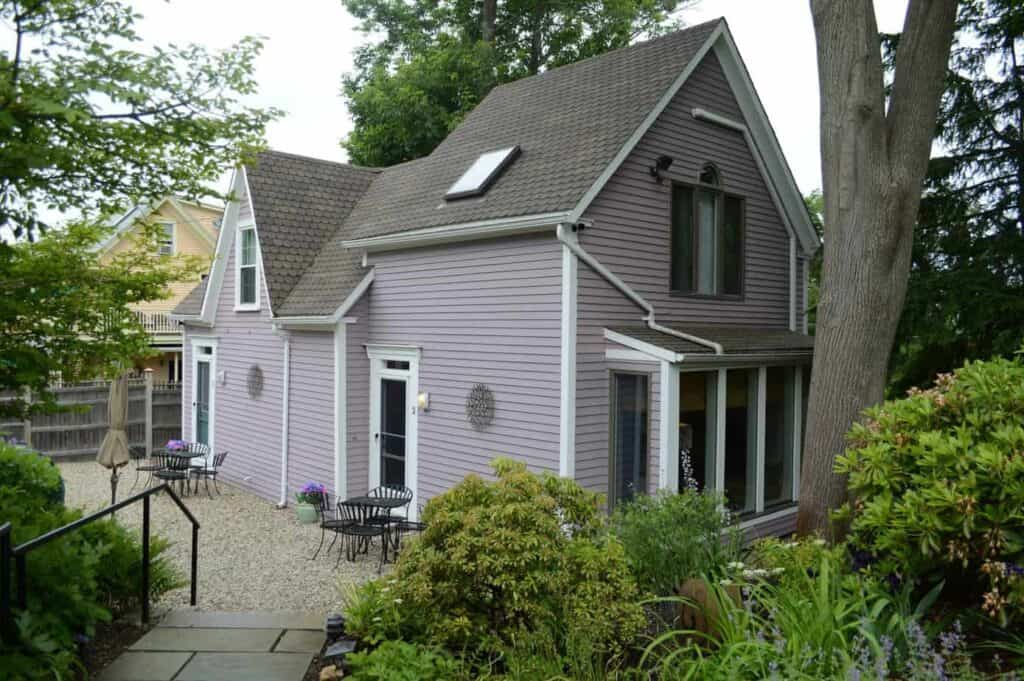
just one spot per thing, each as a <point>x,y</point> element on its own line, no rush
<point>204,366</point>
<point>394,416</point>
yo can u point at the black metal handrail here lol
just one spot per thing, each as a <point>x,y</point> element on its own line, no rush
<point>19,553</point>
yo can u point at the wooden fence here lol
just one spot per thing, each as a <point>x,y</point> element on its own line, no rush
<point>153,409</point>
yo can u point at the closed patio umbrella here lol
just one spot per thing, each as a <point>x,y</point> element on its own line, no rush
<point>114,449</point>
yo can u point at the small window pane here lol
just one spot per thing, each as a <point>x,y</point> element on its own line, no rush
<point>166,246</point>
<point>682,239</point>
<point>395,364</point>
<point>629,439</point>
<point>730,266</point>
<point>247,295</point>
<point>248,247</point>
<point>706,228</point>
<point>778,435</point>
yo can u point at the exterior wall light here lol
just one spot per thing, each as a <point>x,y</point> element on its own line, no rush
<point>423,401</point>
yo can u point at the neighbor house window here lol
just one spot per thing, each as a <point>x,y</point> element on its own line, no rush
<point>707,238</point>
<point>247,266</point>
<point>166,243</point>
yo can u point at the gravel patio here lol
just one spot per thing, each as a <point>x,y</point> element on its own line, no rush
<point>252,556</point>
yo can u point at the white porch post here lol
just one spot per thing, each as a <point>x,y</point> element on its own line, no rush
<point>721,399</point>
<point>668,468</point>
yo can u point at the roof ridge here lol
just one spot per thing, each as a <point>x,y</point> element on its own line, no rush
<point>324,161</point>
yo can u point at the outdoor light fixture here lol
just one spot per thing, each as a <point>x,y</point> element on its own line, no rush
<point>423,400</point>
<point>661,165</point>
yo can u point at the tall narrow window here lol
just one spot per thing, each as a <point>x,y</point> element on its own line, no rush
<point>629,436</point>
<point>779,446</point>
<point>247,267</point>
<point>741,439</point>
<point>166,244</point>
<point>697,418</point>
<point>707,236</point>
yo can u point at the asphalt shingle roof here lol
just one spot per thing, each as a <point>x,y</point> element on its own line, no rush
<point>192,304</point>
<point>299,203</point>
<point>569,122</point>
<point>733,339</point>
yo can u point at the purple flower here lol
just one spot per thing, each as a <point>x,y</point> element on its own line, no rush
<point>176,445</point>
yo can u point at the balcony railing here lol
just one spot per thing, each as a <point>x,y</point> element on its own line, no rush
<point>157,322</point>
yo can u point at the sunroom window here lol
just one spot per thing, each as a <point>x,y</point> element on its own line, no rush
<point>707,238</point>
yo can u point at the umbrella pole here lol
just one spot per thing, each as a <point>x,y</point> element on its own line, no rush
<point>113,487</point>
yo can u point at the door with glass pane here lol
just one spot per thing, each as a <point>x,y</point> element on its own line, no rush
<point>392,434</point>
<point>629,435</point>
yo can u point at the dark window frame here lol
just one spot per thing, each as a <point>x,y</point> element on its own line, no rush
<point>720,196</point>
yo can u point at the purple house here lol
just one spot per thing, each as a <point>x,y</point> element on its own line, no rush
<point>601,272</point>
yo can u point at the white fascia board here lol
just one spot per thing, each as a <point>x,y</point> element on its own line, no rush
<point>646,348</point>
<point>188,319</point>
<point>225,240</point>
<point>625,355</point>
<point>645,125</point>
<point>467,231</point>
<point>747,361</point>
<point>764,138</point>
<point>315,322</point>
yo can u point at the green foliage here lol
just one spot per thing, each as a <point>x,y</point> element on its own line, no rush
<point>805,616</point>
<point>671,537</point>
<point>75,581</point>
<point>89,118</point>
<point>500,559</point>
<point>434,61</point>
<point>63,311</point>
<point>401,661</point>
<point>937,480</point>
<point>966,291</point>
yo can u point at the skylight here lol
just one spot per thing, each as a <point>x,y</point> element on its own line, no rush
<point>482,173</point>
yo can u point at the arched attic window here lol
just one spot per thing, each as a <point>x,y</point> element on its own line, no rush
<point>709,175</point>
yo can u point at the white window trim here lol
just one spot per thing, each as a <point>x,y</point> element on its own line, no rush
<point>174,237</point>
<point>198,342</point>
<point>239,305</point>
<point>378,354</point>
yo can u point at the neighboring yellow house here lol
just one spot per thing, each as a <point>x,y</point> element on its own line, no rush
<point>190,228</point>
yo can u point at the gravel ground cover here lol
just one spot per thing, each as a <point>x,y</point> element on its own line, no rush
<point>252,556</point>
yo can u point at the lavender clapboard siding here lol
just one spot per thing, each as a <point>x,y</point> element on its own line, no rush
<point>311,410</point>
<point>630,235</point>
<point>247,427</point>
<point>358,397</point>
<point>483,312</point>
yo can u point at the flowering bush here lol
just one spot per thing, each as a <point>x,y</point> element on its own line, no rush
<point>311,493</point>
<point>176,445</point>
<point>501,559</point>
<point>937,481</point>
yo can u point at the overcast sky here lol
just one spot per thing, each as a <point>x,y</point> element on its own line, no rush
<point>309,45</point>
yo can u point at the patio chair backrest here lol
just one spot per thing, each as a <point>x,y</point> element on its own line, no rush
<point>218,460</point>
<point>349,512</point>
<point>198,448</point>
<point>392,492</point>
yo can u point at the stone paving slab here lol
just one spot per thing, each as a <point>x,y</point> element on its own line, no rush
<point>245,620</point>
<point>246,667</point>
<point>140,666</point>
<point>209,640</point>
<point>298,641</point>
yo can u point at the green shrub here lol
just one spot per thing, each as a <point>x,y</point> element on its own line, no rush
<point>498,558</point>
<point>937,482</point>
<point>671,537</point>
<point>401,661</point>
<point>75,581</point>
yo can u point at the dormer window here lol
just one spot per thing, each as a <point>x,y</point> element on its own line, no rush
<point>707,238</point>
<point>247,269</point>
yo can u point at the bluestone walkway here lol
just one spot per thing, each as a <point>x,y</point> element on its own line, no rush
<point>222,646</point>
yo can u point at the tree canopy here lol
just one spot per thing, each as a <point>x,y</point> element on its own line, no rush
<point>89,119</point>
<point>435,61</point>
<point>966,293</point>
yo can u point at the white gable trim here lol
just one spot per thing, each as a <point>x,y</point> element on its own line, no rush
<point>652,351</point>
<point>225,240</point>
<point>131,218</point>
<point>765,145</point>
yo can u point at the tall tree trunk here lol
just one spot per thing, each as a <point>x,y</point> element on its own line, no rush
<point>873,163</point>
<point>488,15</point>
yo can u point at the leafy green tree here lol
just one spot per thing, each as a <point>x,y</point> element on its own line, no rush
<point>966,294</point>
<point>435,61</point>
<point>88,119</point>
<point>62,311</point>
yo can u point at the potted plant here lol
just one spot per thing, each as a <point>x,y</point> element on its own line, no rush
<point>307,501</point>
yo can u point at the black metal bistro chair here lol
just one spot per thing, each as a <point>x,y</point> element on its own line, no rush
<point>358,533</point>
<point>143,464</point>
<point>405,526</point>
<point>384,516</point>
<point>173,468</point>
<point>329,522</point>
<point>208,471</point>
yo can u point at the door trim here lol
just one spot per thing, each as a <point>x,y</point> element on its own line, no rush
<point>379,354</point>
<point>211,359</point>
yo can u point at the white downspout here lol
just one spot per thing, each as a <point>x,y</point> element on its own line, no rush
<point>568,237</point>
<point>284,419</point>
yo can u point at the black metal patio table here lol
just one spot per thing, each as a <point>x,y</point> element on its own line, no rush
<point>369,503</point>
<point>180,462</point>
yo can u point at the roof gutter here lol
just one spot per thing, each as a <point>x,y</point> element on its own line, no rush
<point>466,231</point>
<point>566,233</point>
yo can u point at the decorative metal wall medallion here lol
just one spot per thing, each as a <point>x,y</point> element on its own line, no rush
<point>480,406</point>
<point>254,381</point>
